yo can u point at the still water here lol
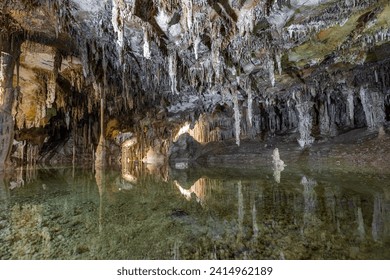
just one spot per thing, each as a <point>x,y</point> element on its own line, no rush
<point>202,213</point>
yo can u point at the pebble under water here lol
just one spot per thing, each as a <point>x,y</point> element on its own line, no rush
<point>201,213</point>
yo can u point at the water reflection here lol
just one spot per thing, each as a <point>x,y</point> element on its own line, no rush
<point>160,213</point>
<point>198,189</point>
<point>278,165</point>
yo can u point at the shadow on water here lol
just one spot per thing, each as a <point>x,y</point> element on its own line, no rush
<point>155,212</point>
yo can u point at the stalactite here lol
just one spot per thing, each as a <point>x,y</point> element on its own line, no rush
<point>51,91</point>
<point>187,13</point>
<point>100,157</point>
<point>305,123</point>
<point>67,120</point>
<point>373,106</point>
<point>215,50</point>
<point>117,21</point>
<point>246,20</point>
<point>237,117</point>
<point>279,62</point>
<point>146,44</point>
<point>172,61</point>
<point>271,69</point>
<point>325,117</point>
<point>250,105</point>
<point>310,199</point>
<point>350,107</point>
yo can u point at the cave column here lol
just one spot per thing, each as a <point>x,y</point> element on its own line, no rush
<point>9,50</point>
<point>100,150</point>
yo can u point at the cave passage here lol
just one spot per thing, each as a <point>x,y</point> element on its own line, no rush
<point>233,129</point>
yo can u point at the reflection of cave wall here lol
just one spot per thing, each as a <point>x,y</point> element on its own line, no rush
<point>222,215</point>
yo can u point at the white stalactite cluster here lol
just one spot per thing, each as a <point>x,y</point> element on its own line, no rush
<point>51,92</point>
<point>187,13</point>
<point>250,105</point>
<point>305,123</point>
<point>246,21</point>
<point>237,117</point>
<point>203,50</point>
<point>172,64</point>
<point>271,69</point>
<point>146,44</point>
<point>373,106</point>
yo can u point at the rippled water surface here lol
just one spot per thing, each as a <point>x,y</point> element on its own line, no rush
<point>158,213</point>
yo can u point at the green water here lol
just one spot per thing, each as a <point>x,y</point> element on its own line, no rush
<point>158,213</point>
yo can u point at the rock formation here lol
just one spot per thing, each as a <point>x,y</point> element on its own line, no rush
<point>75,74</point>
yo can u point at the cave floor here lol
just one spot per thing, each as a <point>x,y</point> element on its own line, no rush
<point>331,201</point>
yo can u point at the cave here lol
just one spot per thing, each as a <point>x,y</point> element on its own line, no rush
<point>257,129</point>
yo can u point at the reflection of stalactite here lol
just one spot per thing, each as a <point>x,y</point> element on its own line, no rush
<point>360,222</point>
<point>101,184</point>
<point>330,202</point>
<point>310,198</point>
<point>254,221</point>
<point>100,157</point>
<point>240,208</point>
<point>199,188</point>
<point>377,218</point>
<point>278,165</point>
